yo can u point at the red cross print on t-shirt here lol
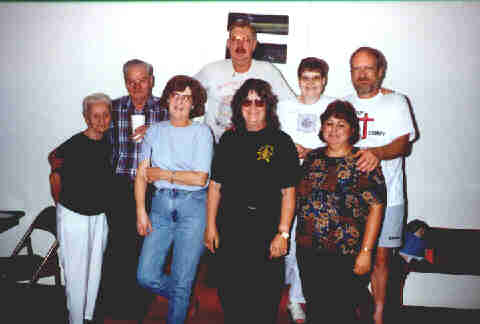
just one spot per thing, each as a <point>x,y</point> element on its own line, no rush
<point>365,120</point>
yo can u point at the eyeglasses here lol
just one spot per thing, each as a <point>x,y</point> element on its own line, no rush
<point>133,83</point>
<point>314,78</point>
<point>181,97</point>
<point>367,69</point>
<point>240,40</point>
<point>257,102</point>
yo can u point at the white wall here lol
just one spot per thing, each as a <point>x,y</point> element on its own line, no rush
<point>54,54</point>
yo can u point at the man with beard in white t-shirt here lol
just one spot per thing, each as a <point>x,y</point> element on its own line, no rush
<point>222,78</point>
<point>386,132</point>
<point>300,118</point>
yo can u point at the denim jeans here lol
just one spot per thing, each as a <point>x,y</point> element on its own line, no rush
<point>178,217</point>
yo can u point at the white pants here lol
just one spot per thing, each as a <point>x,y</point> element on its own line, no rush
<point>292,274</point>
<point>83,240</point>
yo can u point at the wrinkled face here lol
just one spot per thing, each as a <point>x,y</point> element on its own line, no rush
<point>366,78</point>
<point>98,117</point>
<point>180,104</point>
<point>139,84</point>
<point>336,131</point>
<point>254,111</point>
<point>241,44</point>
<point>311,84</point>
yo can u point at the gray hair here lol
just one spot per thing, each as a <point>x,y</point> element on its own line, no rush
<point>133,62</point>
<point>96,98</point>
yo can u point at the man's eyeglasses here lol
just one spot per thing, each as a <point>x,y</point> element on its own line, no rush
<point>133,83</point>
<point>367,69</point>
<point>240,40</point>
<point>257,102</point>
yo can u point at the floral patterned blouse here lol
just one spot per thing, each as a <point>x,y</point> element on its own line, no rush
<point>333,212</point>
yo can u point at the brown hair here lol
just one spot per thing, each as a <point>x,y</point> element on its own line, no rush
<point>379,58</point>
<point>180,83</point>
<point>313,64</point>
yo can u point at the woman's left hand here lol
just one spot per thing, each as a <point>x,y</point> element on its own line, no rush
<point>153,174</point>
<point>278,247</point>
<point>363,263</point>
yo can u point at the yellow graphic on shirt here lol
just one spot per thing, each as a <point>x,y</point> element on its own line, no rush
<point>265,153</point>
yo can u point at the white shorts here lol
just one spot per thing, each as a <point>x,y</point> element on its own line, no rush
<point>392,227</point>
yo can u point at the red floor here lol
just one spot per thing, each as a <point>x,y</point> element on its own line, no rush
<point>209,310</point>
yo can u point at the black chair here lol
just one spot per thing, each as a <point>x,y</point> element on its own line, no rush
<point>31,267</point>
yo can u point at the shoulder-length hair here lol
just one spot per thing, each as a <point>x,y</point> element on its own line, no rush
<point>342,110</point>
<point>264,91</point>
<point>180,83</point>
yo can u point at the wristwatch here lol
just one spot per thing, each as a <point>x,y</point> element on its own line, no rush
<point>285,235</point>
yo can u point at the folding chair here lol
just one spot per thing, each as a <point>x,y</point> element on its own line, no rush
<point>32,266</point>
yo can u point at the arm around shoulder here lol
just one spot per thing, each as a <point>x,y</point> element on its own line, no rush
<point>397,148</point>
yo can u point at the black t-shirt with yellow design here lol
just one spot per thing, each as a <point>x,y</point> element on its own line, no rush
<point>252,168</point>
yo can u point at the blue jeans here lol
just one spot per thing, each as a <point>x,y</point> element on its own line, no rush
<point>178,217</point>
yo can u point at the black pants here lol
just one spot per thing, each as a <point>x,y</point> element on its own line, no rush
<point>250,284</point>
<point>121,297</point>
<point>330,286</point>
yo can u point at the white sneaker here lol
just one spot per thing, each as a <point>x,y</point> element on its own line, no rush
<point>297,313</point>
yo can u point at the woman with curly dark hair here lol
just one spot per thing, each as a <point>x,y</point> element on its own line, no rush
<point>339,211</point>
<point>251,199</point>
<point>176,156</point>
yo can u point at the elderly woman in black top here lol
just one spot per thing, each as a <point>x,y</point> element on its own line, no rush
<point>250,206</point>
<point>79,189</point>
<point>339,210</point>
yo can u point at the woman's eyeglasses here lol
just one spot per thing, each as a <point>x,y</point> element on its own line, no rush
<point>181,97</point>
<point>258,102</point>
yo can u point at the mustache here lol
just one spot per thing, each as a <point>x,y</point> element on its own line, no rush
<point>364,79</point>
<point>240,50</point>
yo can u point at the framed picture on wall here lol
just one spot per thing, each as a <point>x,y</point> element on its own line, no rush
<point>266,24</point>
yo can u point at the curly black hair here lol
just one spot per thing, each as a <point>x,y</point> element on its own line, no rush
<point>342,110</point>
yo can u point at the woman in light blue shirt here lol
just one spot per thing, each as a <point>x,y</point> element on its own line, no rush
<point>175,156</point>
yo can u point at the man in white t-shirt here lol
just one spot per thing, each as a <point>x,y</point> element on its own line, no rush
<point>300,118</point>
<point>386,132</point>
<point>222,78</point>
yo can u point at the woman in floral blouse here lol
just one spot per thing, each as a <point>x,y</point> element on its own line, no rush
<point>339,210</point>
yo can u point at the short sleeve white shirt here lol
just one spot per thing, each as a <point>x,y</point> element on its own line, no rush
<point>384,118</point>
<point>302,122</point>
<point>221,82</point>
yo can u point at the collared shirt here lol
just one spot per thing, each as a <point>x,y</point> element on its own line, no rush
<point>126,151</point>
